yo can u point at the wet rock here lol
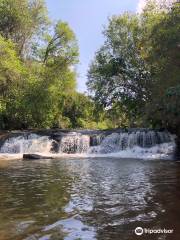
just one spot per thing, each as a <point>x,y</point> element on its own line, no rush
<point>35,156</point>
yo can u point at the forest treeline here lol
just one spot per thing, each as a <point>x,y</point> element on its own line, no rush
<point>134,79</point>
<point>136,72</point>
<point>37,70</point>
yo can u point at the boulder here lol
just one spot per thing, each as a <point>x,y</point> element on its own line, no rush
<point>35,156</point>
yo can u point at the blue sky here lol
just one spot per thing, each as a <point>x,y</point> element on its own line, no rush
<point>87,18</point>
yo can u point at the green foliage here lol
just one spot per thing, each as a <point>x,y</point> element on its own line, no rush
<point>37,70</point>
<point>10,67</point>
<point>161,46</point>
<point>21,21</point>
<point>137,69</point>
<point>119,74</point>
<point>11,73</point>
<point>134,78</point>
<point>62,46</point>
<point>79,108</point>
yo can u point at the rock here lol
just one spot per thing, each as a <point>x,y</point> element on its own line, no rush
<point>35,156</point>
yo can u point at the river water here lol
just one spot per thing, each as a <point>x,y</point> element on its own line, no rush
<point>90,198</point>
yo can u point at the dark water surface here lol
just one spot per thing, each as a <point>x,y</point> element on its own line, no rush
<point>90,199</point>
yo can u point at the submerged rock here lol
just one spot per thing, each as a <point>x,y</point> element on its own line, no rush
<point>35,156</point>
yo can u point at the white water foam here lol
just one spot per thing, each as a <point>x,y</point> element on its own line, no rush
<point>160,151</point>
<point>32,143</point>
<point>75,145</point>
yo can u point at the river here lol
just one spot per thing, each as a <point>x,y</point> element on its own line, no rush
<point>89,198</point>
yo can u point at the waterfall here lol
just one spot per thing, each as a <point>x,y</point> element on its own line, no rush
<point>74,143</point>
<point>96,139</point>
<point>31,143</point>
<point>90,144</point>
<point>117,142</point>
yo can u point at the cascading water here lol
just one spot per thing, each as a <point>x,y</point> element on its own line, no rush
<point>136,143</point>
<point>74,143</point>
<point>31,143</point>
<point>121,141</point>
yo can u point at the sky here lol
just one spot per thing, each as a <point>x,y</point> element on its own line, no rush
<point>87,18</point>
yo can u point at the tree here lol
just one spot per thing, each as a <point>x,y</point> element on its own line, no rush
<point>62,44</point>
<point>21,21</point>
<point>161,48</point>
<point>10,67</point>
<point>136,71</point>
<point>119,75</point>
<point>40,84</point>
<point>11,72</point>
<point>59,55</point>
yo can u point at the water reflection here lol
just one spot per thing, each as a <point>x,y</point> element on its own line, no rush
<point>88,199</point>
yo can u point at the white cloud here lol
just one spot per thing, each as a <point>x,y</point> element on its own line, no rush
<point>141,5</point>
<point>162,3</point>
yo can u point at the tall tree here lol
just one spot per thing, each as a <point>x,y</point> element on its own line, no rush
<point>162,51</point>
<point>119,75</point>
<point>21,20</point>
<point>137,69</point>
